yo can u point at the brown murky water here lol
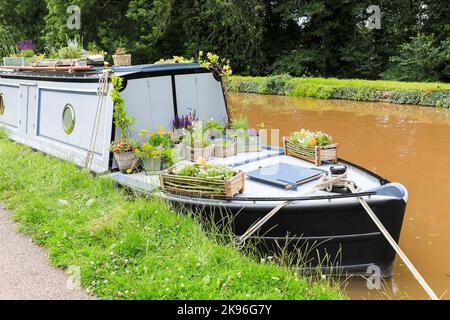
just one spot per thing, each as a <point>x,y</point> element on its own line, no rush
<point>406,144</point>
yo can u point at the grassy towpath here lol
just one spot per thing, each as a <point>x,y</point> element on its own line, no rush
<point>129,247</point>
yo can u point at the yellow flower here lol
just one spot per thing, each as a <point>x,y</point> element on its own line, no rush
<point>169,132</point>
<point>144,131</point>
<point>201,161</point>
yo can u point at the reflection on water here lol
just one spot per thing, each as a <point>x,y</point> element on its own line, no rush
<point>406,144</point>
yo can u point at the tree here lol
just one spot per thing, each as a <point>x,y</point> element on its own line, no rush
<point>23,19</point>
<point>419,60</point>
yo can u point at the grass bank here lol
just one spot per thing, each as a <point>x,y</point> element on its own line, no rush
<point>425,94</point>
<point>129,247</point>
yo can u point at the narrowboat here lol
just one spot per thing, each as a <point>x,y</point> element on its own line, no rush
<point>69,114</point>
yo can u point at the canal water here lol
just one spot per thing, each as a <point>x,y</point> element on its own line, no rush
<point>406,144</point>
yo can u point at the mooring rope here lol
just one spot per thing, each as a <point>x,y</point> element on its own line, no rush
<point>327,183</point>
<point>324,183</point>
<point>395,246</point>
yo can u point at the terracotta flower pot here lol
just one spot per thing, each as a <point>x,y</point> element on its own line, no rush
<point>125,161</point>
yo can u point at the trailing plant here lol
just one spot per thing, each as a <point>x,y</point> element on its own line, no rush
<point>121,117</point>
<point>123,145</point>
<point>209,61</point>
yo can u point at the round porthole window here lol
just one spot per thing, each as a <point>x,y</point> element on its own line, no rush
<point>2,104</point>
<point>68,119</point>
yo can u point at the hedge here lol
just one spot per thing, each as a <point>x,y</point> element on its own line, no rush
<point>432,96</point>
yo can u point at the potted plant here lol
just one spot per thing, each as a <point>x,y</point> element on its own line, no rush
<point>312,146</point>
<point>154,159</point>
<point>225,149</point>
<point>121,57</point>
<point>125,154</point>
<point>179,149</point>
<point>21,55</point>
<point>156,151</point>
<point>198,145</point>
<point>124,148</point>
<point>181,128</point>
<point>214,130</point>
<point>247,139</point>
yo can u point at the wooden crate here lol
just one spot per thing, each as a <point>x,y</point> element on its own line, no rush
<point>316,155</point>
<point>224,152</point>
<point>194,154</point>
<point>200,187</point>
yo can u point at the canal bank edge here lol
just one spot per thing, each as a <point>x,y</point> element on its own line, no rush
<point>423,94</point>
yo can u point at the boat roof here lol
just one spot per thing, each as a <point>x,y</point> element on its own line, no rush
<point>155,67</point>
<point>130,72</point>
<point>163,69</point>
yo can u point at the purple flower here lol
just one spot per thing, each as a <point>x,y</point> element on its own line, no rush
<point>253,132</point>
<point>184,122</point>
<point>25,45</point>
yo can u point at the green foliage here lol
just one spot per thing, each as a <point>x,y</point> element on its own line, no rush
<point>121,117</point>
<point>73,48</point>
<point>299,38</point>
<point>206,171</point>
<point>296,63</point>
<point>7,43</point>
<point>419,60</point>
<point>310,139</point>
<point>156,145</point>
<point>275,84</point>
<point>129,247</point>
<point>239,123</point>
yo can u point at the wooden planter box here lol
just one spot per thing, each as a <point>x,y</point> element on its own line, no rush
<point>200,187</point>
<point>194,154</point>
<point>249,144</point>
<point>153,165</point>
<point>224,152</point>
<point>316,155</point>
<point>122,60</point>
<point>179,152</point>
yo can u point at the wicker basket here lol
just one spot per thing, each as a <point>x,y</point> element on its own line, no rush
<point>316,155</point>
<point>200,187</point>
<point>195,154</point>
<point>122,60</point>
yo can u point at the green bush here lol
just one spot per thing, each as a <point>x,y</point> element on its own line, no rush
<point>277,84</point>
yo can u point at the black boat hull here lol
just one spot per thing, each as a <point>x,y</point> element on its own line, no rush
<point>337,235</point>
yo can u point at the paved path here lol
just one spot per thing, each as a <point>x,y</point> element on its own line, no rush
<point>25,273</point>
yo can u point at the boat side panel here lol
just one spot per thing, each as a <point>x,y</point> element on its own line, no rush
<point>11,96</point>
<point>339,233</point>
<point>150,102</point>
<point>39,107</point>
<point>52,102</point>
<point>203,94</point>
